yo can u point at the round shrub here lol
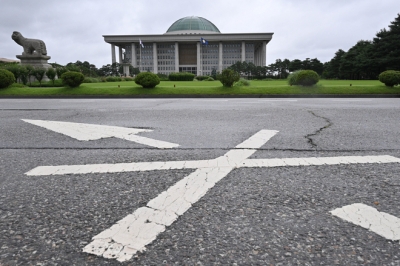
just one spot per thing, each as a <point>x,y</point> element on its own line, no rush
<point>209,79</point>
<point>6,78</point>
<point>72,79</point>
<point>306,78</point>
<point>147,80</point>
<point>292,78</point>
<point>228,77</point>
<point>390,78</point>
<point>242,82</point>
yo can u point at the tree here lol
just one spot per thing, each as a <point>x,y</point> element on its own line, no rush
<point>332,68</point>
<point>386,50</point>
<point>38,73</point>
<point>51,74</point>
<point>295,64</point>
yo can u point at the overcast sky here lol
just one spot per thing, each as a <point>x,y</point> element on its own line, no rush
<point>73,29</point>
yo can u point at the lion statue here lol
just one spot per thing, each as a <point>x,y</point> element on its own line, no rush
<point>29,45</point>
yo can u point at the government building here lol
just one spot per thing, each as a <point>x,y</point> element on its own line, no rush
<point>191,44</point>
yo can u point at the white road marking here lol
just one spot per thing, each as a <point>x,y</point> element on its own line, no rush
<point>135,231</point>
<point>174,165</point>
<point>381,223</point>
<point>139,229</point>
<point>86,132</point>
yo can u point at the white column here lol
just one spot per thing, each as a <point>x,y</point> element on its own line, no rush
<point>120,55</point>
<point>155,59</point>
<point>264,53</point>
<point>176,57</point>
<point>199,70</point>
<point>220,57</point>
<point>113,54</point>
<point>243,51</point>
<point>133,55</point>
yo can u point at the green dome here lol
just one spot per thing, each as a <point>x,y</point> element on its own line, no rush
<point>193,24</point>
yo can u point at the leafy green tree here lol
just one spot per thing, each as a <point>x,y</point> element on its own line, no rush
<point>51,74</point>
<point>24,74</point>
<point>295,64</point>
<point>39,73</point>
<point>60,70</point>
<point>30,69</point>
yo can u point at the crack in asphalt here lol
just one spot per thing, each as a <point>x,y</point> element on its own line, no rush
<point>317,132</point>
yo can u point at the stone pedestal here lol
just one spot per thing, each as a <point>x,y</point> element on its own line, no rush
<point>35,61</point>
<point>125,67</point>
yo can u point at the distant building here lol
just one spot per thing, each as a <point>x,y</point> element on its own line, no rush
<point>191,44</point>
<point>8,60</point>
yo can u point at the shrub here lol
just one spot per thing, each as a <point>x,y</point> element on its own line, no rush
<point>113,79</point>
<point>209,79</point>
<point>72,79</point>
<point>60,71</point>
<point>47,84</point>
<point>6,78</point>
<point>292,78</point>
<point>90,80</point>
<point>390,78</point>
<point>181,76</point>
<point>242,82</point>
<point>228,77</point>
<point>200,78</point>
<point>129,79</point>
<point>303,78</point>
<point>147,80</point>
<point>162,77</point>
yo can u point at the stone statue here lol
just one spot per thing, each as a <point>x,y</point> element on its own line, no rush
<point>30,45</point>
<point>34,54</point>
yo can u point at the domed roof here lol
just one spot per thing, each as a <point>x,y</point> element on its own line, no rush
<point>192,25</point>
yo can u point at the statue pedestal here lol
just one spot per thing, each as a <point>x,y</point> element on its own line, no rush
<point>35,61</point>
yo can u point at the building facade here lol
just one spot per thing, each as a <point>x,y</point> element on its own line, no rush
<point>191,44</point>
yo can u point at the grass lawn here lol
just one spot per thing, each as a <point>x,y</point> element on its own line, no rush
<point>276,87</point>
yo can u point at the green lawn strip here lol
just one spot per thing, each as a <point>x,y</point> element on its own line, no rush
<point>276,87</point>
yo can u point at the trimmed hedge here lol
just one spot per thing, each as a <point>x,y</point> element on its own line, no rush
<point>162,77</point>
<point>390,78</point>
<point>181,76</point>
<point>6,78</point>
<point>72,79</point>
<point>147,80</point>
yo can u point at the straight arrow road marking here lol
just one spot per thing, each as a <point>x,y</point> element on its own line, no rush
<point>86,132</point>
<point>381,223</point>
<point>135,231</point>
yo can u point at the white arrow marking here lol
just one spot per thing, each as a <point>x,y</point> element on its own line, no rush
<point>86,132</point>
<point>135,231</point>
<point>381,223</point>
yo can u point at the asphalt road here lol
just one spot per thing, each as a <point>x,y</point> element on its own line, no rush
<point>253,216</point>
